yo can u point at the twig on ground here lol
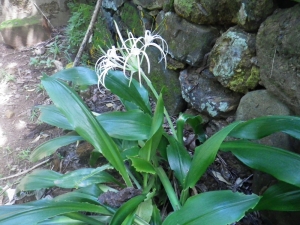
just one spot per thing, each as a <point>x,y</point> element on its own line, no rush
<point>26,171</point>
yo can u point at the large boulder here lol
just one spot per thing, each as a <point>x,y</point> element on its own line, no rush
<point>206,94</point>
<point>278,53</point>
<point>233,62</point>
<point>261,103</point>
<point>112,4</point>
<point>187,42</point>
<point>167,80</point>
<point>150,4</point>
<point>248,14</point>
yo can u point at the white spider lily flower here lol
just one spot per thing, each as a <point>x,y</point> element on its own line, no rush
<point>132,52</point>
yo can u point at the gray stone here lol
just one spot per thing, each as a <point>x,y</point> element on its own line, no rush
<point>207,11</point>
<point>252,13</point>
<point>232,60</point>
<point>248,14</point>
<point>150,4</point>
<point>278,53</point>
<point>114,5</point>
<point>162,77</point>
<point>206,94</point>
<point>261,103</point>
<point>187,42</point>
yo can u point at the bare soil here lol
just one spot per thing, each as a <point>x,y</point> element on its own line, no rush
<point>20,92</point>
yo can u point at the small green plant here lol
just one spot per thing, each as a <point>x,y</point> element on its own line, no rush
<point>24,154</point>
<point>156,169</point>
<point>34,61</point>
<point>55,49</point>
<point>6,76</point>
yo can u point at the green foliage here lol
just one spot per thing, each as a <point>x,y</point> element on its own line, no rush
<point>136,145</point>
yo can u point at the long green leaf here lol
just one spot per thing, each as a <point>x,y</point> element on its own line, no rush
<point>282,164</point>
<point>131,125</point>
<point>84,123</point>
<point>38,179</point>
<point>266,125</point>
<point>213,208</point>
<point>179,159</point>
<point>51,115</point>
<point>205,154</point>
<point>126,209</point>
<point>78,76</point>
<point>194,121</point>
<point>280,197</point>
<point>49,147</point>
<point>37,211</point>
<point>148,151</point>
<point>64,220</point>
<point>84,177</point>
<point>119,85</point>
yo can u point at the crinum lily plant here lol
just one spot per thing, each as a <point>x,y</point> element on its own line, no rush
<point>157,175</point>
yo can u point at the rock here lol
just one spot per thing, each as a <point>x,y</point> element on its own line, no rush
<point>40,50</point>
<point>9,114</point>
<point>162,77</point>
<point>278,53</point>
<point>58,64</point>
<point>187,42</point>
<point>248,14</point>
<point>207,11</point>
<point>135,20</point>
<point>253,12</point>
<point>114,5</point>
<point>150,4</point>
<point>232,60</point>
<point>261,103</point>
<point>20,33</point>
<point>206,94</point>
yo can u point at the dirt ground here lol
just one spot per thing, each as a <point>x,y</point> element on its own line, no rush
<point>20,92</point>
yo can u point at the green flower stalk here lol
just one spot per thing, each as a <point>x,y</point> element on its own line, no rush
<point>128,56</point>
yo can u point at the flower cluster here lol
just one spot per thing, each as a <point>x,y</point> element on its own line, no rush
<point>129,55</point>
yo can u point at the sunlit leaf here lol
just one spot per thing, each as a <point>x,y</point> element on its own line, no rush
<point>41,210</point>
<point>84,123</point>
<point>213,208</point>
<point>38,179</point>
<point>49,147</point>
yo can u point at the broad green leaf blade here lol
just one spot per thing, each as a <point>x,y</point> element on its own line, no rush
<point>266,125</point>
<point>142,165</point>
<point>38,211</point>
<point>127,208</point>
<point>64,220</point>
<point>156,217</point>
<point>119,85</point>
<point>205,154</point>
<point>280,197</point>
<point>145,210</point>
<point>281,164</point>
<point>78,76</point>
<point>49,147</point>
<point>51,115</point>
<point>84,123</point>
<point>194,121</point>
<point>213,208</point>
<point>38,179</point>
<point>84,177</point>
<point>131,125</point>
<point>179,159</point>
<point>148,151</point>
